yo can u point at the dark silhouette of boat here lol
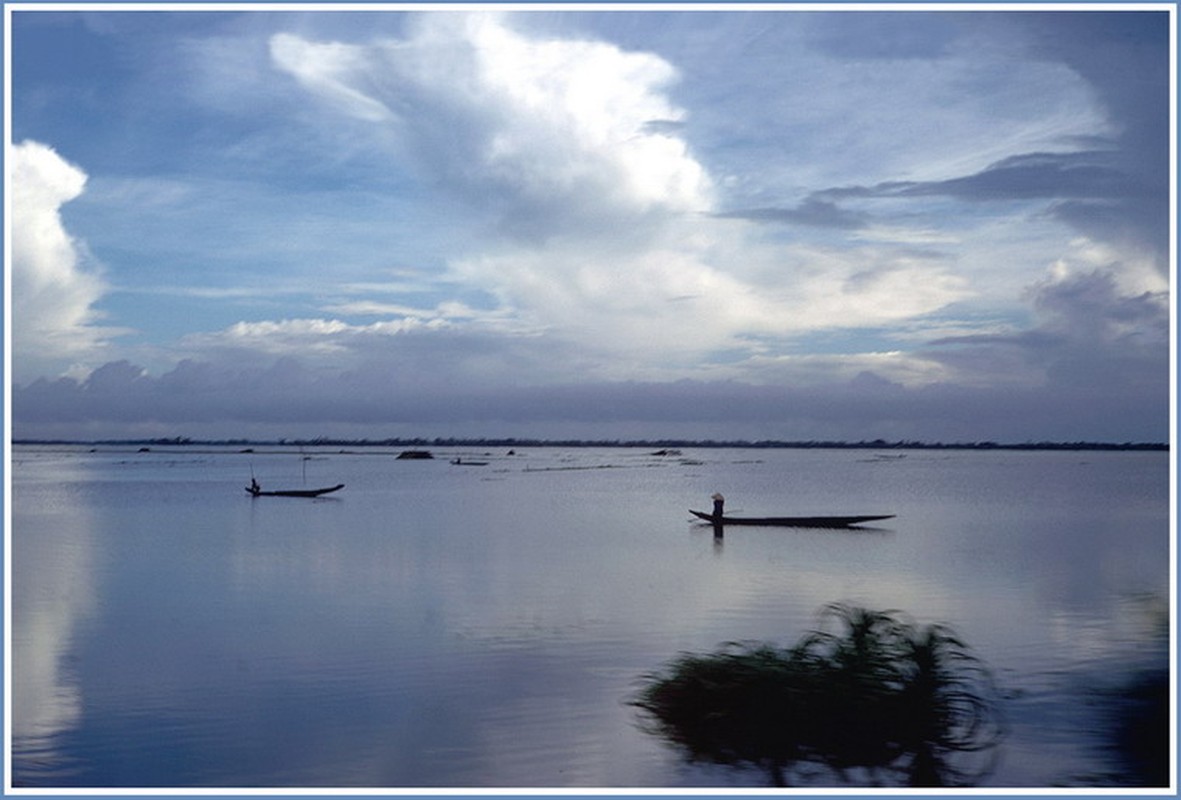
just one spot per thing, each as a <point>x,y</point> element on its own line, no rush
<point>719,519</point>
<point>791,522</point>
<point>461,463</point>
<point>255,491</point>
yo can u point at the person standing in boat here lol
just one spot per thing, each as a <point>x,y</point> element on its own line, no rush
<point>254,487</point>
<point>719,502</point>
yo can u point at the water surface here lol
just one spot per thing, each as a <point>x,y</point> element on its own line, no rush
<point>434,625</point>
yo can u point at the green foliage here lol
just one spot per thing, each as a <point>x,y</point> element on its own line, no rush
<point>879,694</point>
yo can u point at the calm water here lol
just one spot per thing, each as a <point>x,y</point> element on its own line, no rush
<point>440,625</point>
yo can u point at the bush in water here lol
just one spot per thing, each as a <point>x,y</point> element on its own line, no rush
<point>879,695</point>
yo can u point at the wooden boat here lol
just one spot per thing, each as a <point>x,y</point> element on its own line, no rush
<point>459,462</point>
<point>791,522</point>
<point>254,491</point>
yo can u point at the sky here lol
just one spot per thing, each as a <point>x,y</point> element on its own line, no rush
<point>947,225</point>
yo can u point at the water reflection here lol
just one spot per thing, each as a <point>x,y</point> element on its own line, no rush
<point>1138,729</point>
<point>1133,702</point>
<point>52,593</point>
<point>831,531</point>
<point>870,698</point>
<point>877,701</point>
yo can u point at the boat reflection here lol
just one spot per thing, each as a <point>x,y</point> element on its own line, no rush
<point>719,530</point>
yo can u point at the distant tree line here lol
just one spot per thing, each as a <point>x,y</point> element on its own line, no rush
<point>875,444</point>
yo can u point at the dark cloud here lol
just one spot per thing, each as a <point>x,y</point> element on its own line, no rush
<point>664,126</point>
<point>1124,55</point>
<point>301,401</point>
<point>813,211</point>
<point>1092,367</point>
<point>1117,192</point>
<point>1093,343</point>
<point>1086,175</point>
<point>1095,191</point>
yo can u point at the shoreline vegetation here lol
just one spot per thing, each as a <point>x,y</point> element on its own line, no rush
<point>660,444</point>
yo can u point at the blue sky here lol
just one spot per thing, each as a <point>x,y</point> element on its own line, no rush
<point>942,225</point>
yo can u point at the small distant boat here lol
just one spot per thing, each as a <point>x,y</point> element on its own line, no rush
<point>791,522</point>
<point>415,455</point>
<point>461,463</point>
<point>255,491</point>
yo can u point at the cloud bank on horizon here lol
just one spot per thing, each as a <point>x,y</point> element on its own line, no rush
<point>765,224</point>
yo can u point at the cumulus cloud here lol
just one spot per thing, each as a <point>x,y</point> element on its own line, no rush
<point>575,151</point>
<point>54,279</point>
<point>554,136</point>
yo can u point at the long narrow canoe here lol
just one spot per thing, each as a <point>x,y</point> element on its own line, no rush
<point>294,492</point>
<point>791,522</point>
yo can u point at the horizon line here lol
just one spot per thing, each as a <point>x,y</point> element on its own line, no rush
<point>513,441</point>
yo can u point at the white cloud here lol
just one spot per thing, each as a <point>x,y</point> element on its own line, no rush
<point>895,366</point>
<point>603,208</point>
<point>552,135</point>
<point>589,105</point>
<point>307,338</point>
<point>327,70</point>
<point>373,308</point>
<point>1134,271</point>
<point>54,281</point>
